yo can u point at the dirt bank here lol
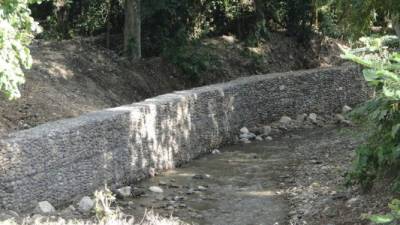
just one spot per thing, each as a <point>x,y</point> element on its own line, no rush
<point>69,78</point>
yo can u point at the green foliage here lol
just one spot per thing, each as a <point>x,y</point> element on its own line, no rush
<point>63,19</point>
<point>357,16</point>
<point>391,217</point>
<point>192,58</point>
<point>328,21</point>
<point>381,154</point>
<point>299,18</point>
<point>17,28</point>
<point>164,21</point>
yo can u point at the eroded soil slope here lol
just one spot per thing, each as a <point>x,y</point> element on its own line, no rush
<point>69,78</point>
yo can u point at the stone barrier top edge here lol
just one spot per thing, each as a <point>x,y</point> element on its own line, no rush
<point>65,125</point>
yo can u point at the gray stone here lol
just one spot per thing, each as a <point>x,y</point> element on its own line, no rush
<point>301,117</point>
<point>7,216</point>
<point>190,191</point>
<point>346,109</point>
<point>199,177</point>
<point>259,138</point>
<point>12,213</point>
<point>245,141</point>
<point>257,130</point>
<point>124,192</point>
<point>152,172</point>
<point>45,208</point>
<point>162,183</point>
<point>313,117</point>
<point>285,120</point>
<point>340,118</point>
<point>201,188</point>
<point>244,130</point>
<point>156,189</point>
<point>267,130</point>
<point>216,152</point>
<point>85,204</point>
<point>351,202</point>
<point>69,211</point>
<point>249,136</point>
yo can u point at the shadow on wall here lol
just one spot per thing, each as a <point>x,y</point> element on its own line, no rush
<point>172,129</point>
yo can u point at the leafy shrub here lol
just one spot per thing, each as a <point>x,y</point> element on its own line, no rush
<point>192,58</point>
<point>16,32</point>
<point>381,154</point>
<point>299,18</point>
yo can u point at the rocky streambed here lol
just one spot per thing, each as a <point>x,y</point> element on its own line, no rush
<point>289,172</point>
<point>293,179</point>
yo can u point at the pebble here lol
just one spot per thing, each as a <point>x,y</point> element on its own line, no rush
<point>68,211</point>
<point>267,130</point>
<point>269,138</point>
<point>201,176</point>
<point>313,117</point>
<point>285,119</point>
<point>45,208</point>
<point>179,198</point>
<point>301,117</point>
<point>124,192</point>
<point>152,172</point>
<point>244,130</point>
<point>346,109</point>
<point>245,141</point>
<point>341,119</point>
<point>136,192</point>
<point>259,138</point>
<point>352,201</point>
<point>201,188</point>
<point>156,189</point>
<point>190,191</point>
<point>248,136</point>
<point>174,186</point>
<point>162,183</point>
<point>85,204</point>
<point>216,152</point>
<point>8,215</point>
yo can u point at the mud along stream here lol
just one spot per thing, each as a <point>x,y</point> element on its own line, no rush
<point>245,183</point>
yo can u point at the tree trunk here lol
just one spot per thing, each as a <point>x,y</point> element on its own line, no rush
<point>132,31</point>
<point>61,13</point>
<point>396,24</point>
<point>260,6</point>
<point>261,26</point>
<point>109,22</point>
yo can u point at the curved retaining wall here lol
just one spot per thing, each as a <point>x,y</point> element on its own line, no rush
<point>61,160</point>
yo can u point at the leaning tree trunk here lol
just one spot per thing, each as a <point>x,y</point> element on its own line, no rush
<point>132,30</point>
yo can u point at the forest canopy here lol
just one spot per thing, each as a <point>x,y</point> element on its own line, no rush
<point>136,28</point>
